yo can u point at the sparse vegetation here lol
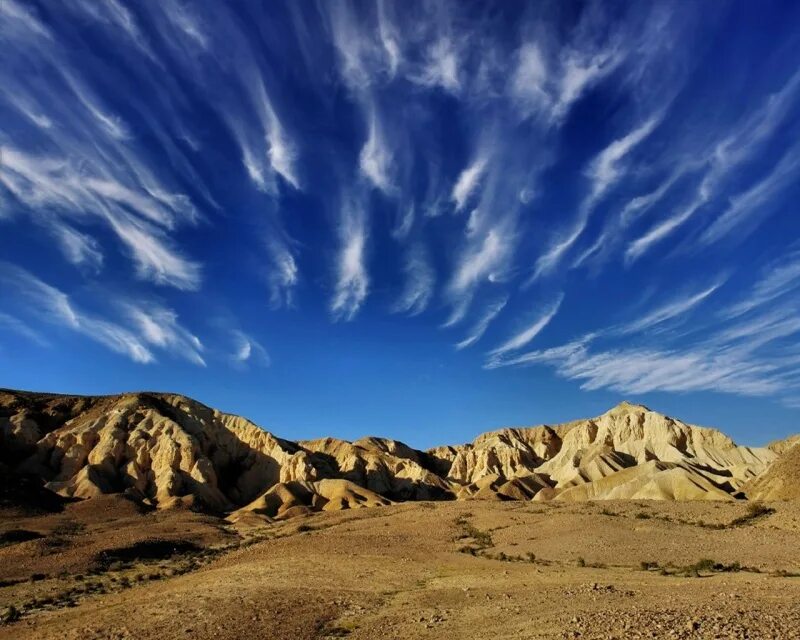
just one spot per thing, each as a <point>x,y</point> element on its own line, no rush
<point>482,539</point>
<point>9,614</point>
<point>696,570</point>
<point>15,536</point>
<point>755,511</point>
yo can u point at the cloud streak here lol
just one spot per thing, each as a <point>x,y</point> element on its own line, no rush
<point>524,337</point>
<point>352,279</point>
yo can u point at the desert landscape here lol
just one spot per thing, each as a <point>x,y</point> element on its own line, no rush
<point>152,516</point>
<point>399,319</point>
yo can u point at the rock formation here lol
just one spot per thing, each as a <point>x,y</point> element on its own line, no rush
<point>780,480</point>
<point>167,450</point>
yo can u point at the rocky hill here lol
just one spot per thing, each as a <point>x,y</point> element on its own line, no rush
<point>780,480</point>
<point>167,450</point>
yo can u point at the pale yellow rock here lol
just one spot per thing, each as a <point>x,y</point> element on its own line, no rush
<point>172,452</point>
<point>781,481</point>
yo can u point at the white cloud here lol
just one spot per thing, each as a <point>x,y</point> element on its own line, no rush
<point>528,85</point>
<point>483,260</point>
<point>741,143</point>
<point>78,248</point>
<point>352,280</point>
<point>248,351</point>
<point>645,370</point>
<point>55,306</point>
<point>404,223</point>
<point>640,204</point>
<point>363,58</point>
<point>159,327</point>
<point>283,274</point>
<point>19,327</point>
<point>778,279</point>
<point>578,73</point>
<point>20,21</point>
<point>50,181</point>
<point>441,67</point>
<point>420,280</point>
<point>673,309</point>
<point>522,338</point>
<point>281,150</point>
<point>746,206</point>
<point>604,171</point>
<point>389,39</point>
<point>480,327</point>
<point>546,85</point>
<point>155,259</point>
<point>607,168</point>
<point>375,159</point>
<point>752,357</point>
<point>468,181</point>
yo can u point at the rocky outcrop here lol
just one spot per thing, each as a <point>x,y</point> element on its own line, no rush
<point>167,450</point>
<point>781,481</point>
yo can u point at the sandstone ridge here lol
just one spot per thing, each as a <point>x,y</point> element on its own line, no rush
<point>166,450</point>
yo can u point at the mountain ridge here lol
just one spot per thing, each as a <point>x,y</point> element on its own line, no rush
<point>167,450</point>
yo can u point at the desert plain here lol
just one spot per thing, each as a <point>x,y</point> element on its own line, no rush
<point>146,517</point>
<point>477,569</point>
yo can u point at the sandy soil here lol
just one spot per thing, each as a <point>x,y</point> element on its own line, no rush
<point>102,569</point>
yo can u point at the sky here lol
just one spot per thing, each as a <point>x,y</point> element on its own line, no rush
<point>421,220</point>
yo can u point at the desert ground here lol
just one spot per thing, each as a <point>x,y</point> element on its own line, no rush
<point>107,568</point>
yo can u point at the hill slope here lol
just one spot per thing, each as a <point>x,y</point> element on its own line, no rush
<point>168,450</point>
<point>781,480</point>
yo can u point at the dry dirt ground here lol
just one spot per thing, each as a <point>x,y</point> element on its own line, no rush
<point>104,569</point>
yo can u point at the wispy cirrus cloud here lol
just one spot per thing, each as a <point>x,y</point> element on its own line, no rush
<point>484,260</point>
<point>524,337</point>
<point>247,351</point>
<point>642,370</point>
<point>420,282</point>
<point>672,309</point>
<point>352,279</point>
<point>745,207</point>
<point>745,356</point>
<point>56,307</point>
<point>17,326</point>
<point>479,328</point>
<point>375,160</point>
<point>468,181</point>
<point>160,328</point>
<point>738,146</point>
<point>604,171</point>
<point>778,278</point>
<point>283,274</point>
<point>140,328</point>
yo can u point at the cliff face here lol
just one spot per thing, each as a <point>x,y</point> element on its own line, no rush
<point>165,450</point>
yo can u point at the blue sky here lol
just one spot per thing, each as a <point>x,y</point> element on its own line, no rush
<point>419,220</point>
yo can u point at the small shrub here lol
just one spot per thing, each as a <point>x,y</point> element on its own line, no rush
<point>704,565</point>
<point>530,556</point>
<point>9,614</point>
<point>581,561</point>
<point>755,511</point>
